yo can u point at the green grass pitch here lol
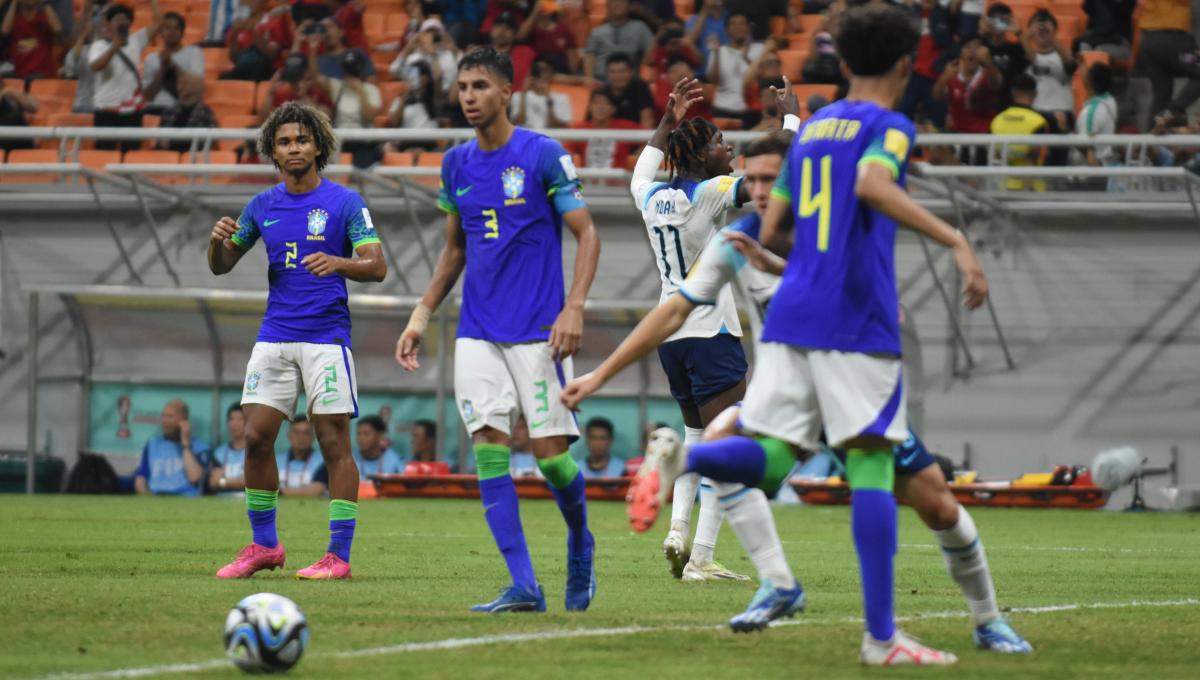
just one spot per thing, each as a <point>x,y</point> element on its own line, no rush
<point>89,585</point>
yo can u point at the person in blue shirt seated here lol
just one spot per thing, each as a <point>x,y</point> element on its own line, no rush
<point>371,456</point>
<point>423,441</point>
<point>229,460</point>
<point>302,468</point>
<point>521,461</point>
<point>173,462</point>
<point>600,461</point>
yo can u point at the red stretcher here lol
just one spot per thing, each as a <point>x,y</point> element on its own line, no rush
<point>988,494</point>
<point>467,486</point>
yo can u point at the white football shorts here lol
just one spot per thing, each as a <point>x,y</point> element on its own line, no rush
<point>279,370</point>
<point>494,383</point>
<point>794,391</point>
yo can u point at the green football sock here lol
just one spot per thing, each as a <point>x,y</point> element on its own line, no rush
<point>491,460</point>
<point>559,470</point>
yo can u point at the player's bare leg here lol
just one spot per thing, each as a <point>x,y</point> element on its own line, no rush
<point>929,495</point>
<point>333,434</point>
<point>567,484</point>
<point>262,493</point>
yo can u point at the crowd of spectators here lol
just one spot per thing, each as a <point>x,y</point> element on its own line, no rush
<point>589,63</point>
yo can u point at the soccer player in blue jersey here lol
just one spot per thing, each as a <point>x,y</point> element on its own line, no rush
<point>507,195</point>
<point>317,234</point>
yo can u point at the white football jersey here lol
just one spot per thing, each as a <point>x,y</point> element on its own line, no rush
<point>681,217</point>
<point>721,265</point>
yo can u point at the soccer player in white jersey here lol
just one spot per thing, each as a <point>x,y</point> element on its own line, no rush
<point>703,359</point>
<point>507,195</point>
<point>317,234</point>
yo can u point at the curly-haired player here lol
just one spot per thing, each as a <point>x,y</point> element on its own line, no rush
<point>317,235</point>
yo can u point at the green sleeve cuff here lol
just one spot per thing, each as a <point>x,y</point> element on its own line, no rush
<point>883,160</point>
<point>447,207</point>
<point>781,194</point>
<point>365,242</point>
<point>239,242</point>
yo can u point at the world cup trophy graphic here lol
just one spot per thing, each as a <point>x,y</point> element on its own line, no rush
<point>124,406</point>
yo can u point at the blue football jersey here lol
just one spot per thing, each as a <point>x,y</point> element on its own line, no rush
<point>330,219</point>
<point>513,282</point>
<point>839,289</point>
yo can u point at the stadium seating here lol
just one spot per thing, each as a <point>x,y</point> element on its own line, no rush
<point>31,156</point>
<point>429,159</point>
<point>232,92</point>
<point>53,95</point>
<point>98,160</point>
<point>792,63</point>
<point>156,156</point>
<point>579,96</point>
<point>401,159</point>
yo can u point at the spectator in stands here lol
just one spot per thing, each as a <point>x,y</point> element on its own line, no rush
<point>937,38</point>
<point>1098,116</point>
<point>550,38</point>
<point>298,80</point>
<point>1169,51</point>
<point>969,86</point>
<point>1022,119</point>
<point>617,35</point>
<point>708,22</point>
<point>669,46</point>
<point>349,18</point>
<point>772,112</point>
<point>14,105</point>
<point>161,70</point>
<point>221,15</point>
<point>229,460</point>
<point>630,94</point>
<point>760,13</point>
<point>423,440</point>
<point>514,11</point>
<point>435,48</point>
<point>765,71</point>
<point>727,66</point>
<point>600,461</point>
<point>371,456</point>
<point>189,111</point>
<point>604,153</point>
<point>998,32</point>
<point>1052,65</point>
<point>504,39</point>
<point>117,101</point>
<point>521,461</point>
<point>356,102</point>
<point>31,30</point>
<point>968,13</point>
<point>330,62</point>
<point>464,17</point>
<point>678,69</point>
<point>173,463</point>
<point>259,43</point>
<point>75,61</point>
<point>302,468</point>
<point>1109,27</point>
<point>416,109</point>
<point>823,67</point>
<point>537,106</point>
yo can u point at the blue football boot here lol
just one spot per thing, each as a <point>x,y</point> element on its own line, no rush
<point>514,599</point>
<point>581,577</point>
<point>769,603</point>
<point>998,635</point>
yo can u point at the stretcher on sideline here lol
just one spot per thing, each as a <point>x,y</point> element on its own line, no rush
<point>1035,490</point>
<point>467,486</point>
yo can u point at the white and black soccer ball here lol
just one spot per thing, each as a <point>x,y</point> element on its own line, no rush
<point>265,633</point>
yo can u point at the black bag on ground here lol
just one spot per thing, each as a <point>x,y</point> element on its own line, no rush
<point>93,474</point>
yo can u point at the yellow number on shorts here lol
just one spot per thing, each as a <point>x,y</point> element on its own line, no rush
<point>820,203</point>
<point>289,257</point>
<point>493,224</point>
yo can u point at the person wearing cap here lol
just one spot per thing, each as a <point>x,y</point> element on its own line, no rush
<point>259,43</point>
<point>329,63</point>
<point>504,38</point>
<point>618,33</point>
<point>514,12</point>
<point>549,37</point>
<point>433,46</point>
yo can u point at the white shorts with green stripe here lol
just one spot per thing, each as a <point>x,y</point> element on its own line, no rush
<point>278,371</point>
<point>495,383</point>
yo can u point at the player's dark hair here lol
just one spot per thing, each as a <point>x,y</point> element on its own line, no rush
<point>997,9</point>
<point>233,408</point>
<point>308,118</point>
<point>1044,15</point>
<point>776,142</point>
<point>1023,82</point>
<point>429,426</point>
<point>685,144</point>
<point>114,10</point>
<point>602,95</point>
<point>1100,76</point>
<point>177,17</point>
<point>619,58</point>
<point>871,39</point>
<point>374,422</point>
<point>488,58</point>
<point>678,59</point>
<point>600,422</point>
<point>729,17</point>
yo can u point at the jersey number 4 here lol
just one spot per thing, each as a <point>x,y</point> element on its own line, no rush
<point>819,204</point>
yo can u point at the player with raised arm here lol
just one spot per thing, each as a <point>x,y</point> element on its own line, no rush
<point>919,481</point>
<point>317,234</point>
<point>507,195</point>
<point>703,358</point>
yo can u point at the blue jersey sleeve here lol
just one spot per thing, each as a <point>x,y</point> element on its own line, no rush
<point>247,233</point>
<point>891,145</point>
<point>359,228</point>
<point>446,201</point>
<point>559,177</point>
<point>143,469</point>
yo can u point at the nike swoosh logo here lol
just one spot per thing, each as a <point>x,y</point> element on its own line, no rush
<point>268,223</point>
<point>538,423</point>
<point>463,192</point>
<point>760,289</point>
<point>328,401</point>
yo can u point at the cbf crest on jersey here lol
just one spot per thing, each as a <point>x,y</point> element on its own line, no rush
<point>514,185</point>
<point>317,219</point>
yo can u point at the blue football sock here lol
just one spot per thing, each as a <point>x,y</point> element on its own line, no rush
<point>262,523</point>
<point>573,505</point>
<point>499,497</point>
<point>733,459</point>
<point>341,536</point>
<point>873,521</point>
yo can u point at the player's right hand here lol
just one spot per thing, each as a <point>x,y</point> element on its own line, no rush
<point>223,231</point>
<point>975,287</point>
<point>579,389</point>
<point>406,350</point>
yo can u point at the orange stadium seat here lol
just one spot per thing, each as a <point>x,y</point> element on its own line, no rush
<point>778,26</point>
<point>216,157</point>
<point>429,159</point>
<point>390,92</point>
<point>395,26</point>
<point>791,63</point>
<point>98,160</point>
<point>579,96</point>
<point>231,91</point>
<point>401,159</point>
<point>53,95</point>
<point>216,62</point>
<point>31,156</point>
<point>156,156</point>
<point>727,123</point>
<point>373,26</point>
<point>70,120</point>
<point>811,23</point>
<point>14,84</point>
<point>229,107</point>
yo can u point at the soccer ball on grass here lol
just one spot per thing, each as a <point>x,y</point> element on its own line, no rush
<point>265,633</point>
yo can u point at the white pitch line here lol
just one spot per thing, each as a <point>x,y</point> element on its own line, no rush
<point>1053,548</point>
<point>542,636</point>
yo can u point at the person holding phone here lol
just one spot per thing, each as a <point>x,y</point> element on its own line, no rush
<point>173,463</point>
